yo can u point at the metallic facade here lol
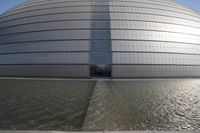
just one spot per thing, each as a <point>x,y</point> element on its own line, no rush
<point>100,38</point>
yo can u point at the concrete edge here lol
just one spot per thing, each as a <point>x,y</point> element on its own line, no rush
<point>78,79</point>
<point>27,131</point>
<point>151,132</point>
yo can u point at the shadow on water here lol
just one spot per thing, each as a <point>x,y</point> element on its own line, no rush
<point>43,105</point>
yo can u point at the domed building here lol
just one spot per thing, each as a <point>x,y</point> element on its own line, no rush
<point>100,38</point>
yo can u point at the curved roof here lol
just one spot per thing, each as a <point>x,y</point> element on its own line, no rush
<point>89,38</point>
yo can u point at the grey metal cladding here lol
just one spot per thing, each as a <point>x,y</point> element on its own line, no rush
<point>55,38</point>
<point>154,35</point>
<point>149,6</point>
<point>70,71</point>
<point>47,11</point>
<point>154,12</point>
<point>155,58</point>
<point>154,18</point>
<point>46,35</point>
<point>141,71</point>
<point>85,6</point>
<point>47,4</point>
<point>155,26</point>
<point>156,47</point>
<point>154,39</point>
<point>46,58</point>
<point>117,1</point>
<point>50,40</point>
<point>58,25</point>
<point>49,17</point>
<point>46,46</point>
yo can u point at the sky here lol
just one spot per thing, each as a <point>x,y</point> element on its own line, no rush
<point>192,4</point>
<point>7,4</point>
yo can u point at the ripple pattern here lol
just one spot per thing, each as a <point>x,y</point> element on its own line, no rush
<point>43,105</point>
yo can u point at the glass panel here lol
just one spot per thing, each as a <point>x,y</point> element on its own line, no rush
<point>100,43</point>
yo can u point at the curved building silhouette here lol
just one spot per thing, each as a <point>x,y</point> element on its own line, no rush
<point>100,38</point>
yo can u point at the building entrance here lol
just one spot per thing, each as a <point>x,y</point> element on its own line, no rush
<point>100,71</point>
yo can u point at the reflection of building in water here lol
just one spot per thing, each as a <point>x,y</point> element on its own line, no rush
<point>93,38</point>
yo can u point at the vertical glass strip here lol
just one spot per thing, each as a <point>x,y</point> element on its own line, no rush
<point>100,43</point>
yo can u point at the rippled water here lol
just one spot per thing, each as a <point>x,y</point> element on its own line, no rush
<point>107,105</point>
<point>159,105</point>
<point>43,105</point>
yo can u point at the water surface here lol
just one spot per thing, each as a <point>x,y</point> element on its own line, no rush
<point>43,104</point>
<point>158,104</point>
<point>168,104</point>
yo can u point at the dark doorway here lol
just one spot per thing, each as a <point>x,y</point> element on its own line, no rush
<point>100,66</point>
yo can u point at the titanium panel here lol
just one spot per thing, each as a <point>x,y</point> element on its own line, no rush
<point>150,71</point>
<point>155,58</point>
<point>152,46</point>
<point>144,6</point>
<point>46,35</point>
<point>154,35</point>
<point>153,2</point>
<point>117,1</point>
<point>50,40</point>
<point>65,71</point>
<point>154,26</point>
<point>58,25</point>
<point>46,58</point>
<point>55,10</point>
<point>101,7</point>
<point>47,4</point>
<point>47,18</point>
<point>88,38</point>
<point>154,18</point>
<point>152,11</point>
<point>53,46</point>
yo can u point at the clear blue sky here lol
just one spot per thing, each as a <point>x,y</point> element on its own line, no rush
<point>6,4</point>
<point>192,4</point>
